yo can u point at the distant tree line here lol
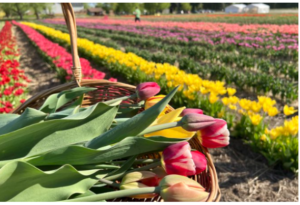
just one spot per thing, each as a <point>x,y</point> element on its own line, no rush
<point>20,9</point>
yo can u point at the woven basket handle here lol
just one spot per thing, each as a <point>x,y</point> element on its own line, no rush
<point>71,24</point>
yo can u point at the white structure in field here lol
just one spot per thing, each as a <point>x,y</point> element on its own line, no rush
<point>235,8</point>
<point>257,8</point>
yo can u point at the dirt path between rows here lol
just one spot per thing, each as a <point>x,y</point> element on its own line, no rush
<point>36,69</point>
<point>243,175</point>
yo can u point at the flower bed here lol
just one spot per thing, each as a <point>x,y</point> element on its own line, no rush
<point>200,26</point>
<point>60,57</point>
<point>196,92</point>
<point>245,71</point>
<point>13,82</point>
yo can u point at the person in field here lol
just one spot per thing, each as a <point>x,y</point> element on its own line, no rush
<point>137,15</point>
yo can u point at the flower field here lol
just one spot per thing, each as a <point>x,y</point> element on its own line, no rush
<point>13,82</point>
<point>202,58</point>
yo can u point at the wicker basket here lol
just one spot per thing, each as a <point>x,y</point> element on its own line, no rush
<point>109,90</point>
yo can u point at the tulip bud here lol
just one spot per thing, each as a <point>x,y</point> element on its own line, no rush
<point>147,90</point>
<point>177,159</point>
<point>191,110</point>
<point>181,189</point>
<point>195,122</point>
<point>141,179</point>
<point>215,135</point>
<point>200,161</point>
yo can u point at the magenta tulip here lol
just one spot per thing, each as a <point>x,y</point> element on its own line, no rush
<point>200,161</point>
<point>215,135</point>
<point>191,110</point>
<point>147,90</point>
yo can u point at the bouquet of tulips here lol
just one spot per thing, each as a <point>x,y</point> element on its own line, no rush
<point>65,152</point>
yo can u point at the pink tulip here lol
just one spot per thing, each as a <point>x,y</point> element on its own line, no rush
<point>191,110</point>
<point>147,90</point>
<point>215,135</point>
<point>200,161</point>
<point>181,189</point>
<point>194,122</point>
<point>177,159</point>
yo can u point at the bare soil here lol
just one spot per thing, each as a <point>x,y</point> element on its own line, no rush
<point>36,69</point>
<point>243,175</point>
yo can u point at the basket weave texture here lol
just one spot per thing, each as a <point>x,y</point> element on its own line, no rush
<point>107,90</point>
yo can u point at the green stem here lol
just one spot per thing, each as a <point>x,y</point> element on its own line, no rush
<point>110,183</point>
<point>97,166</point>
<point>121,98</point>
<point>138,161</point>
<point>147,167</point>
<point>160,127</point>
<point>116,194</point>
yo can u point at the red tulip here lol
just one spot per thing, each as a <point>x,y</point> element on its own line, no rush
<point>191,110</point>
<point>147,90</point>
<point>215,135</point>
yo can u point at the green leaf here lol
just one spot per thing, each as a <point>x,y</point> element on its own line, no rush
<point>6,118</point>
<point>63,113</point>
<point>28,117</point>
<point>20,181</point>
<point>54,134</point>
<point>79,155</point>
<point>131,127</point>
<point>55,101</point>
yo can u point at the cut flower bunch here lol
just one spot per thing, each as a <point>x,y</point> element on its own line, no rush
<point>65,152</point>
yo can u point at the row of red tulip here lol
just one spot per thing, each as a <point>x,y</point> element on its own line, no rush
<point>61,57</point>
<point>13,85</point>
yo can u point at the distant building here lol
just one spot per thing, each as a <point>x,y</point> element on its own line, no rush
<point>56,8</point>
<point>95,12</point>
<point>235,8</point>
<point>257,8</point>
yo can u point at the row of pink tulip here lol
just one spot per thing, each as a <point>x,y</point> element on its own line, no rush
<point>207,26</point>
<point>61,57</point>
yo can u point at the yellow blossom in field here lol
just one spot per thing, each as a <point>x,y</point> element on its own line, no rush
<point>272,111</point>
<point>263,137</point>
<point>221,114</point>
<point>213,98</point>
<point>232,107</point>
<point>267,131</point>
<point>255,119</point>
<point>225,100</point>
<point>255,107</point>
<point>289,110</point>
<point>245,104</point>
<point>241,111</point>
<point>231,91</point>
<point>274,134</point>
<point>250,112</point>
<point>233,99</point>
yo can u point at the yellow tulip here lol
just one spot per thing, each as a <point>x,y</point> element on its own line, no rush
<point>232,107</point>
<point>255,119</point>
<point>245,104</point>
<point>272,111</point>
<point>231,91</point>
<point>213,98</point>
<point>263,137</point>
<point>225,100</point>
<point>155,99</point>
<point>289,110</point>
<point>255,107</point>
<point>176,132</point>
